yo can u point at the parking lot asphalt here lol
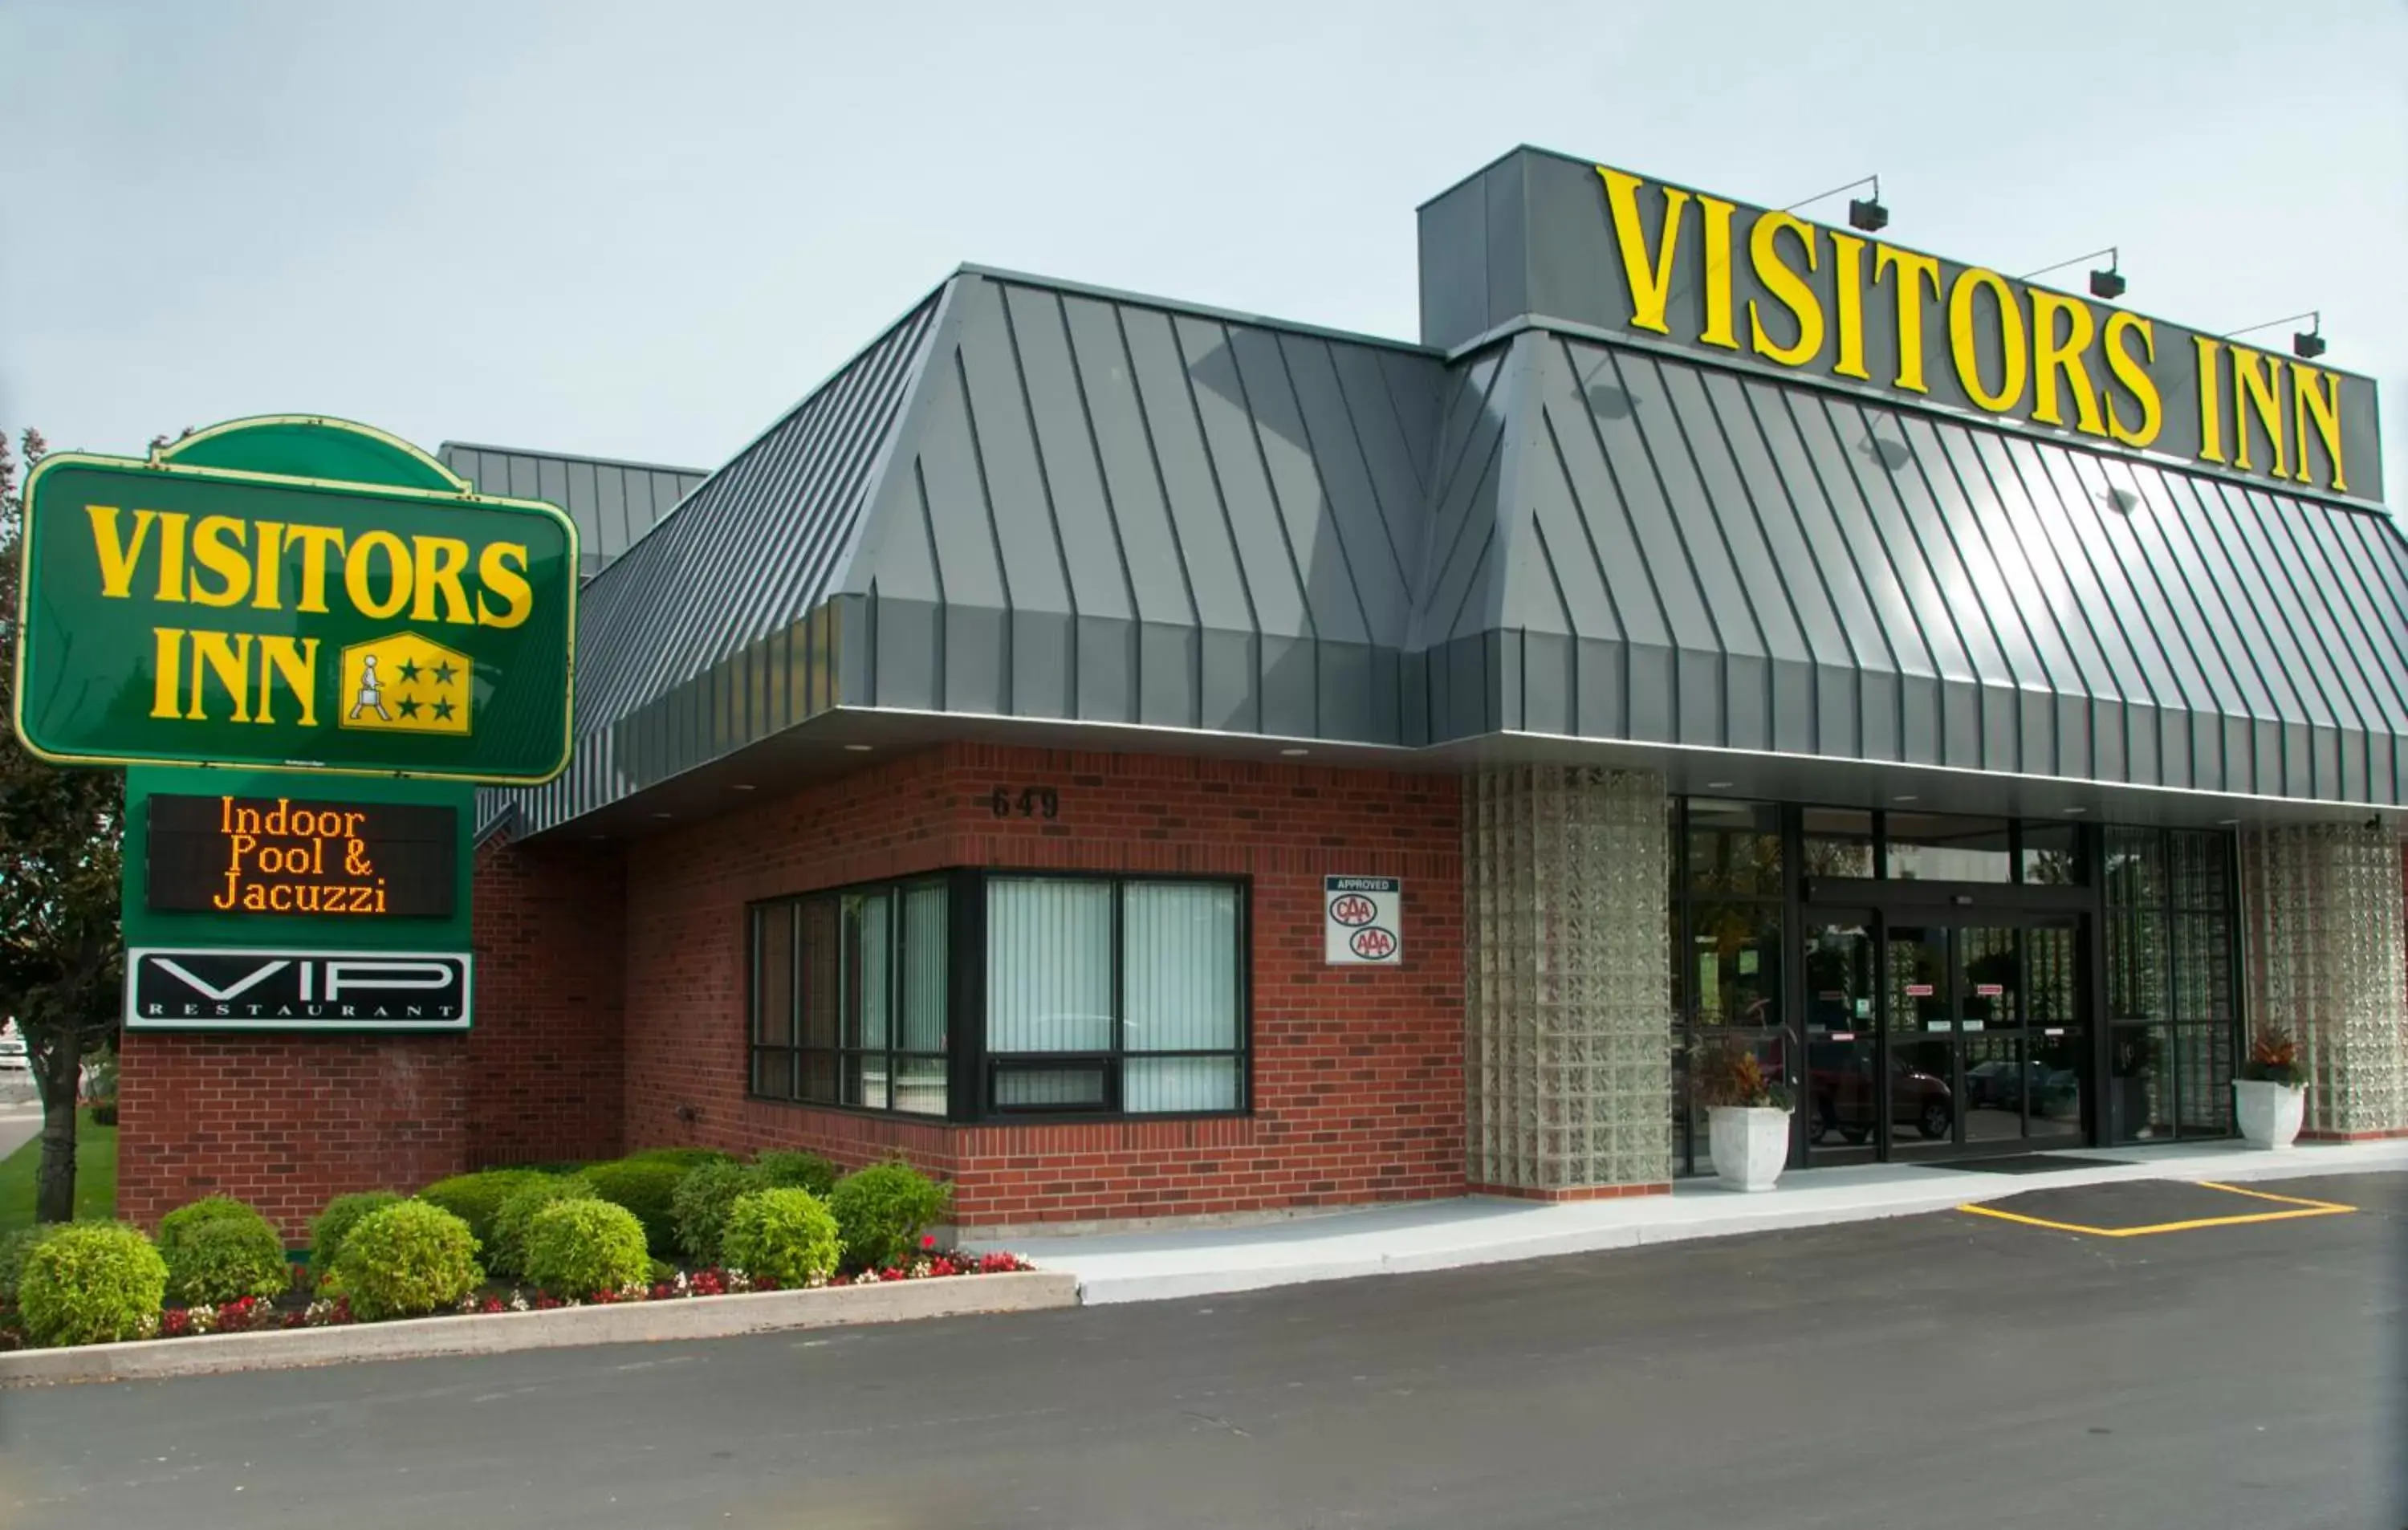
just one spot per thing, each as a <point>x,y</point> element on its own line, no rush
<point>1952,1369</point>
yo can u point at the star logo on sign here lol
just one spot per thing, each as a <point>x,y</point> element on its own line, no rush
<point>410,683</point>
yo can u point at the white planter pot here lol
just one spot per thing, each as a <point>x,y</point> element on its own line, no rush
<point>2269,1114</point>
<point>1750,1145</point>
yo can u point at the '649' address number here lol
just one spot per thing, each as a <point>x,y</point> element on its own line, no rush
<point>1028,802</point>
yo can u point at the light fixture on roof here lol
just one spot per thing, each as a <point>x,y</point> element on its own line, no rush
<point>1293,752</point>
<point>1891,454</point>
<point>664,815</point>
<point>1865,213</point>
<point>1906,796</point>
<point>740,786</point>
<point>857,749</point>
<point>1718,786</point>
<point>2108,282</point>
<point>2073,810</point>
<point>2307,344</point>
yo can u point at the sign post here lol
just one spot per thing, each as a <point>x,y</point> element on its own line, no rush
<point>305,640</point>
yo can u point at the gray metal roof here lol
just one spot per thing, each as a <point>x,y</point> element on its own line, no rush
<point>1695,556</point>
<point>1033,501</point>
<point>613,503</point>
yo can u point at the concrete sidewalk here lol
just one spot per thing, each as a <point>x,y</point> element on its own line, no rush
<point>1169,1264</point>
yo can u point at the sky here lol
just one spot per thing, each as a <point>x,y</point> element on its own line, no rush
<point>644,230</point>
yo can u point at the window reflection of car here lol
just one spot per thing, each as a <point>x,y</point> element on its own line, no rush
<point>2002,1085</point>
<point>1840,1093</point>
<point>2059,1094</point>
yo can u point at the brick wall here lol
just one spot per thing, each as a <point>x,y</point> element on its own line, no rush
<point>286,1122</point>
<point>1358,1075</point>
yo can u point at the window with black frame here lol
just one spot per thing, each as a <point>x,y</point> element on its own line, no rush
<point>849,998</point>
<point>1093,995</point>
<point>2169,983</point>
<point>1728,910</point>
<point>1114,995</point>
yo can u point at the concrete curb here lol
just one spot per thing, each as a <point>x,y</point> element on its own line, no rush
<point>705,1317</point>
<point>1350,1254</point>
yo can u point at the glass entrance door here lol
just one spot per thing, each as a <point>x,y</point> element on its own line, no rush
<point>1836,1103</point>
<point>1925,1091</point>
<point>1984,1047</point>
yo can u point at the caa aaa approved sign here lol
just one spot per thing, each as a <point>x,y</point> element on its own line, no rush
<point>1363,921</point>
<point>219,990</point>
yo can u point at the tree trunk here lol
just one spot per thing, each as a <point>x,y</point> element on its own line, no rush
<point>55,1180</point>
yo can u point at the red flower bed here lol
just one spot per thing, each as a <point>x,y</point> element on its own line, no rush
<point>252,1313</point>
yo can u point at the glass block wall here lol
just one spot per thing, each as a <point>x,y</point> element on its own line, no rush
<point>1569,1033</point>
<point>2328,950</point>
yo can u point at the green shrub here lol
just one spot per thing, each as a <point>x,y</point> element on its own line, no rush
<point>218,1249</point>
<point>786,1169</point>
<point>786,1236</point>
<point>506,1252</point>
<point>683,1157</point>
<point>647,1187</point>
<point>91,1283</point>
<point>178,1224</point>
<point>882,1209</point>
<point>475,1198</point>
<point>700,1205</point>
<point>227,1258</point>
<point>342,1214</point>
<point>409,1259</point>
<point>577,1248</point>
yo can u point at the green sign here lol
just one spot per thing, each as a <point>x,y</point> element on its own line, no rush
<point>268,901</point>
<point>294,593</point>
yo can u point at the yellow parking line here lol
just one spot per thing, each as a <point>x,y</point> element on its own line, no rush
<point>2269,1195</point>
<point>2302,1208</point>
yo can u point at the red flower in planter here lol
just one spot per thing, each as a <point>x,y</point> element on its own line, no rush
<point>175,1323</point>
<point>927,1240</point>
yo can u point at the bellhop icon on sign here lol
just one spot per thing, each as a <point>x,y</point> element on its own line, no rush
<point>407,683</point>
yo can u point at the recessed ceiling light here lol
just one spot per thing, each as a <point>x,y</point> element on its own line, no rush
<point>740,786</point>
<point>2227,822</point>
<point>857,749</point>
<point>2078,810</point>
<point>601,837</point>
<point>1717,786</point>
<point>664,815</point>
<point>1905,796</point>
<point>1293,752</point>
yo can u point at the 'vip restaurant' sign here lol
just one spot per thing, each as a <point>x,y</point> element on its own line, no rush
<point>222,989</point>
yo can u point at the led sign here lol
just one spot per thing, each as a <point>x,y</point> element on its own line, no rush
<point>273,856</point>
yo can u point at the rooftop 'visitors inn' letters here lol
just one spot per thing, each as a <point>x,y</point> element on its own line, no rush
<point>1573,241</point>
